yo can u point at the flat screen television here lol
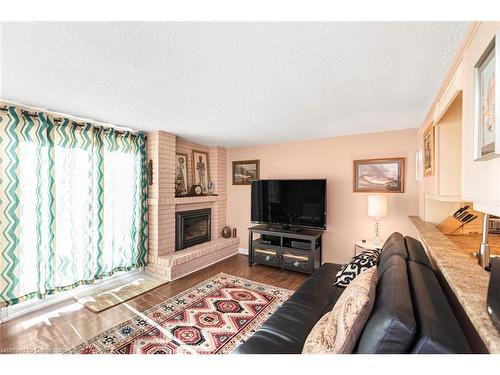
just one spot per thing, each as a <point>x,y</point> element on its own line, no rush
<point>289,203</point>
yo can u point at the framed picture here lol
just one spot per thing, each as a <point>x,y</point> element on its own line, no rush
<point>485,92</point>
<point>200,170</point>
<point>428,154</point>
<point>181,173</point>
<point>379,175</point>
<point>418,165</point>
<point>245,171</point>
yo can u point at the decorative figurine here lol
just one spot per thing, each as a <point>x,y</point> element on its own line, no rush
<point>226,232</point>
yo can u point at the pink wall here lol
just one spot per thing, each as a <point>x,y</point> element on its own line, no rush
<point>331,158</point>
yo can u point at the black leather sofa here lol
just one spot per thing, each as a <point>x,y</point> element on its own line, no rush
<point>411,313</point>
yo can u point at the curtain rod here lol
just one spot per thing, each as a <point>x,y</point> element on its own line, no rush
<point>60,120</point>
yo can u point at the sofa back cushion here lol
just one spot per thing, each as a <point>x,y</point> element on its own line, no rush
<point>394,245</point>
<point>416,252</point>
<point>438,329</point>
<point>391,326</point>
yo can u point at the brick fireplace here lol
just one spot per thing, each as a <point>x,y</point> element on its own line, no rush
<point>163,259</point>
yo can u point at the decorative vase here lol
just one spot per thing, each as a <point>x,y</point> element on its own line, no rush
<point>226,232</point>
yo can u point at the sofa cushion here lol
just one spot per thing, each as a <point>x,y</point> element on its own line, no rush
<point>316,293</point>
<point>394,245</point>
<point>287,329</point>
<point>438,329</point>
<point>416,252</point>
<point>391,326</point>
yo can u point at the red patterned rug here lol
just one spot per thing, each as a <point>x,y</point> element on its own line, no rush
<point>213,317</point>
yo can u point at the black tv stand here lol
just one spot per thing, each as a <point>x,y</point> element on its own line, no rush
<point>288,249</point>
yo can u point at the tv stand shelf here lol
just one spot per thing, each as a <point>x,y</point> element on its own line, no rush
<point>288,249</point>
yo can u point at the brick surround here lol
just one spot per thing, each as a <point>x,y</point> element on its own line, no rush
<point>162,203</point>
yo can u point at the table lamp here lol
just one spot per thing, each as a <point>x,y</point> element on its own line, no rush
<point>377,208</point>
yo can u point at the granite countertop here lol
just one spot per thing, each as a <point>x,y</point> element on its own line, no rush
<point>470,242</point>
<point>468,281</point>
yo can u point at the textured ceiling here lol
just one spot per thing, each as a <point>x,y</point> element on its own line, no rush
<point>232,84</point>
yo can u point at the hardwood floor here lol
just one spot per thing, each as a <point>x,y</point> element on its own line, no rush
<point>67,324</point>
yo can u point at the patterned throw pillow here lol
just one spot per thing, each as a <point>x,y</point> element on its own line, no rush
<point>339,330</point>
<point>371,253</point>
<point>355,266</point>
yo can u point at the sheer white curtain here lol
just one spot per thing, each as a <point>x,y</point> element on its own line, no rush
<point>72,204</point>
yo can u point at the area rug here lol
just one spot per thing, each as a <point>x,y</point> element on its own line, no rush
<point>213,317</point>
<point>101,300</point>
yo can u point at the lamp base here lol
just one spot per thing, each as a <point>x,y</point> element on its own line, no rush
<point>377,240</point>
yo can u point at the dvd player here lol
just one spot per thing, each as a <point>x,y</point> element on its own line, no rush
<point>301,245</point>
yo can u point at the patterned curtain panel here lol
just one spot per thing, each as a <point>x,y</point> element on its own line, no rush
<point>72,204</point>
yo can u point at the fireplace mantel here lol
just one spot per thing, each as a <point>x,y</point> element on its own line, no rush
<point>199,199</point>
<point>187,200</point>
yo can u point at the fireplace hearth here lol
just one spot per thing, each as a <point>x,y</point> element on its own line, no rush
<point>192,228</point>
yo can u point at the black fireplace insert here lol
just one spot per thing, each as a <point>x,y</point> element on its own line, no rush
<point>192,228</point>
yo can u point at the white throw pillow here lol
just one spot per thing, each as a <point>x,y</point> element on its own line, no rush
<point>339,330</point>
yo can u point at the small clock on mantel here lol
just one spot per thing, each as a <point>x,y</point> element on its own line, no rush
<point>196,190</point>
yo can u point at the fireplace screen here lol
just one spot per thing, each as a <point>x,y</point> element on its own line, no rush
<point>192,228</point>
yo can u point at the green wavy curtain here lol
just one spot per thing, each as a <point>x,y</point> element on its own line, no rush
<point>72,203</point>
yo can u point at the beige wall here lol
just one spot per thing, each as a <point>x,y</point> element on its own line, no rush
<point>449,150</point>
<point>481,178</point>
<point>440,194</point>
<point>331,158</point>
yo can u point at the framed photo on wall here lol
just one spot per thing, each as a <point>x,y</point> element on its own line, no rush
<point>245,171</point>
<point>385,175</point>
<point>181,173</point>
<point>428,153</point>
<point>418,165</point>
<point>201,170</point>
<point>487,137</point>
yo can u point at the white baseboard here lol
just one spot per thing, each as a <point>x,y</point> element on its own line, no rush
<point>243,251</point>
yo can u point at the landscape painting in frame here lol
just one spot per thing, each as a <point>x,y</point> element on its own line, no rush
<point>245,171</point>
<point>429,151</point>
<point>485,94</point>
<point>379,175</point>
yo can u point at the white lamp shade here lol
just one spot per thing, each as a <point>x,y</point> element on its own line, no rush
<point>377,205</point>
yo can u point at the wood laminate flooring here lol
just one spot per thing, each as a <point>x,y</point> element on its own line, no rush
<point>60,327</point>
